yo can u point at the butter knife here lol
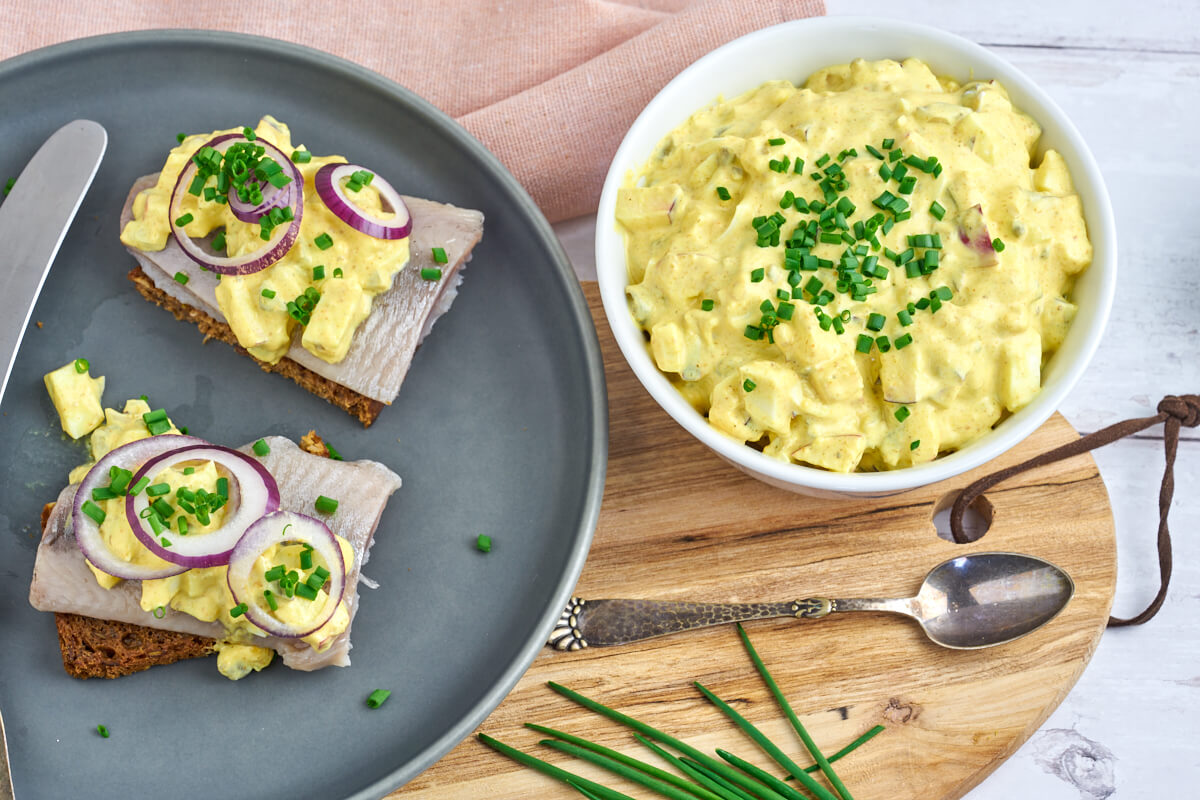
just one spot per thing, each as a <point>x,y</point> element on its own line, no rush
<point>6,786</point>
<point>34,219</point>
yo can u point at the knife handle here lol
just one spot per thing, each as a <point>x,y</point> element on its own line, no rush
<point>600,623</point>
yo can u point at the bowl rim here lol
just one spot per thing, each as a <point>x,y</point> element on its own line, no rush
<point>612,274</point>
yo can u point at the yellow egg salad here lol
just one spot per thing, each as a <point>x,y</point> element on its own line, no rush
<point>197,492</point>
<point>324,283</point>
<point>857,274</point>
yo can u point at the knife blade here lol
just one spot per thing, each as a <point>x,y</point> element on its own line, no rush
<point>34,219</point>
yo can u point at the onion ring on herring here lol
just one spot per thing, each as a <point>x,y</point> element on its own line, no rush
<point>269,253</point>
<point>328,182</point>
<point>256,494</point>
<point>87,530</point>
<point>285,527</point>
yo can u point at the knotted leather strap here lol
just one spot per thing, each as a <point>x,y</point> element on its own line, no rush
<point>1174,412</point>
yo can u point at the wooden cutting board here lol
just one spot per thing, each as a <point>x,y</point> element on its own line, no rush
<point>679,523</point>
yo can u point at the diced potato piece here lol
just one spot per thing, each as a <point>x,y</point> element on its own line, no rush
<point>1020,369</point>
<point>837,380</point>
<point>668,346</point>
<point>329,330</point>
<point>1052,176</point>
<point>904,375</point>
<point>1057,315</point>
<point>682,277</point>
<point>649,207</point>
<point>835,453</point>
<point>802,341</point>
<point>728,411</point>
<point>76,398</point>
<point>777,395</point>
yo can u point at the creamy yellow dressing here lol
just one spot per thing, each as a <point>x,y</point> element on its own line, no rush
<point>262,324</point>
<point>794,386</point>
<point>204,592</point>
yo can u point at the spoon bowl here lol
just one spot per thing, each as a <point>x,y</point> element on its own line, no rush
<point>965,603</point>
<point>988,599</point>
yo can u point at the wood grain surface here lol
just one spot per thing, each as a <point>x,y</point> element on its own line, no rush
<point>679,523</point>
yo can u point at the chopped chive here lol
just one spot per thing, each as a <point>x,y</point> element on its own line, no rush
<point>326,505</point>
<point>998,245</point>
<point>903,341</point>
<point>875,322</point>
<point>181,278</point>
<point>937,209</point>
<point>883,343</point>
<point>305,591</point>
<point>748,385</point>
<point>81,365</point>
<point>875,152</point>
<point>261,448</point>
<point>238,610</point>
<point>157,489</point>
<point>904,317</point>
<point>431,273</point>
<point>914,444</point>
<point>706,305</point>
<point>100,729</point>
<point>269,596</point>
<point>324,241</point>
<point>757,275</point>
<point>94,511</point>
<point>183,220</point>
<point>318,272</point>
<point>902,413</point>
<point>182,524</point>
<point>301,156</point>
<point>863,345</point>
<point>439,255</point>
<point>306,559</point>
<point>218,241</point>
<point>223,488</point>
<point>136,489</point>
<point>483,543</point>
<point>723,193</point>
<point>268,293</point>
<point>377,698</point>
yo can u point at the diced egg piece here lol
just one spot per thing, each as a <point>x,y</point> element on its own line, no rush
<point>76,398</point>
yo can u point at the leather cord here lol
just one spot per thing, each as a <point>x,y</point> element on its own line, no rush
<point>1174,412</point>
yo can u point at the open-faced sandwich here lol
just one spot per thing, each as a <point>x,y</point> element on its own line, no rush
<point>318,269</point>
<point>166,546</point>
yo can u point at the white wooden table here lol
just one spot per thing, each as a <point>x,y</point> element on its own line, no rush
<point>1128,75</point>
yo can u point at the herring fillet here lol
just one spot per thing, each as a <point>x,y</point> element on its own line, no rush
<point>63,583</point>
<point>383,345</point>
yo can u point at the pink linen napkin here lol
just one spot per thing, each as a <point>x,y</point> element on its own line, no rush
<point>549,86</point>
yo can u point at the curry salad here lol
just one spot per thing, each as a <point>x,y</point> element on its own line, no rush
<point>860,273</point>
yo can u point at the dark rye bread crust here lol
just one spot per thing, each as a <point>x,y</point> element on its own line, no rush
<point>99,648</point>
<point>363,408</point>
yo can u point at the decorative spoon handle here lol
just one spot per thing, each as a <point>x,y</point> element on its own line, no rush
<point>598,623</point>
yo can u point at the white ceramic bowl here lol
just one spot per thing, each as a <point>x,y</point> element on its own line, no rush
<point>793,51</point>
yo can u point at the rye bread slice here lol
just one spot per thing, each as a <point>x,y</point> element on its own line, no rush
<point>99,648</point>
<point>359,406</point>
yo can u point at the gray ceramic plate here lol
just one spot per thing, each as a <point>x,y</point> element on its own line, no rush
<point>500,429</point>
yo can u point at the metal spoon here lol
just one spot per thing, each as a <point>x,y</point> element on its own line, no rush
<point>966,603</point>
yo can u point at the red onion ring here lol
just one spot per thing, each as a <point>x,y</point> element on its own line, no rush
<point>87,530</point>
<point>328,182</point>
<point>269,253</point>
<point>277,528</point>
<point>256,494</point>
<point>274,198</point>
